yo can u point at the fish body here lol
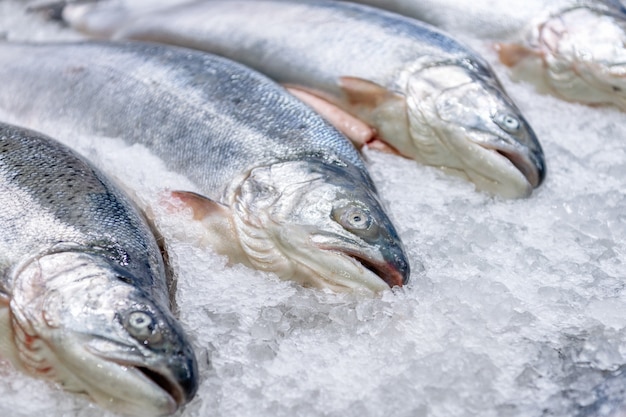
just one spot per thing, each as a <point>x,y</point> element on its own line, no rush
<point>427,95</point>
<point>286,191</point>
<point>490,19</point>
<point>83,294</point>
<point>573,49</point>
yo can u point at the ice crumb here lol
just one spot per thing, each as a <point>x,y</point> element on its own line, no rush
<point>516,308</point>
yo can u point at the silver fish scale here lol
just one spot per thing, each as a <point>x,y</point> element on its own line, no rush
<point>148,94</point>
<point>372,44</point>
<point>51,198</point>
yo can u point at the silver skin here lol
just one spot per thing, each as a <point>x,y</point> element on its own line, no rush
<point>83,293</point>
<point>285,191</point>
<point>575,49</point>
<point>432,99</point>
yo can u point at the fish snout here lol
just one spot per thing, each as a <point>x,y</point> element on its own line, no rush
<point>178,376</point>
<point>396,270</point>
<point>170,362</point>
<point>165,382</point>
<point>389,261</point>
<point>185,373</point>
<point>150,357</point>
<point>393,268</point>
<point>530,164</point>
<point>516,141</point>
<point>384,262</point>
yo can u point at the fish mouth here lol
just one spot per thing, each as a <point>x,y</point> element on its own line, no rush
<point>532,168</point>
<point>173,392</point>
<point>385,270</point>
<point>511,160</point>
<point>119,384</point>
<point>395,273</point>
<point>166,383</point>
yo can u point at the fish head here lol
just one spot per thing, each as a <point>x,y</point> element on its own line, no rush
<point>461,120</point>
<point>80,321</point>
<point>580,53</point>
<point>314,223</point>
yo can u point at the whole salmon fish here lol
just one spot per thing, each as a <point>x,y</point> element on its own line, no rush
<point>83,294</point>
<point>280,189</point>
<point>428,96</point>
<point>575,49</point>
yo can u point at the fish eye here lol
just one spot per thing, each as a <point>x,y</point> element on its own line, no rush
<point>140,325</point>
<point>508,122</point>
<point>353,218</point>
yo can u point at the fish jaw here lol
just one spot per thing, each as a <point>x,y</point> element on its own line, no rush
<point>363,259</point>
<point>488,169</point>
<point>289,219</point>
<point>461,121</point>
<point>578,53</point>
<point>117,386</point>
<point>67,315</point>
<point>135,384</point>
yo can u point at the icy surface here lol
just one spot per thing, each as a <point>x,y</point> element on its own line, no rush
<point>518,309</point>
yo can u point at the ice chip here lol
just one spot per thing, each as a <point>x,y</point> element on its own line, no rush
<point>514,309</point>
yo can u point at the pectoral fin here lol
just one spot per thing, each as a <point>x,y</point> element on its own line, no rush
<point>355,129</point>
<point>201,206</point>
<point>362,92</point>
<point>384,109</point>
<point>5,299</point>
<point>511,54</point>
<point>217,219</point>
<point>383,146</point>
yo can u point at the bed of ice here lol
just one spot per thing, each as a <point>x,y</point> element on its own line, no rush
<point>516,308</point>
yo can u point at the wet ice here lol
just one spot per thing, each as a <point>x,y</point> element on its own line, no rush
<point>516,308</point>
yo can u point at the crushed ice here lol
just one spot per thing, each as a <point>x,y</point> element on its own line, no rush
<point>516,308</point>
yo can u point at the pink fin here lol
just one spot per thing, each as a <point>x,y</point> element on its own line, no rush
<point>202,206</point>
<point>364,92</point>
<point>356,130</point>
<point>5,299</point>
<point>382,146</point>
<point>511,54</point>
